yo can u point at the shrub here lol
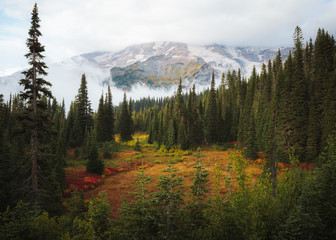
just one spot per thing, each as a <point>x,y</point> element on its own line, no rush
<point>94,164</point>
<point>137,146</point>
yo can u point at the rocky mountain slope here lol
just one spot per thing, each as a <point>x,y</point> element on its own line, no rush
<point>160,64</point>
<point>155,65</point>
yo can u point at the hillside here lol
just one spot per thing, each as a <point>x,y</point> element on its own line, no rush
<point>155,64</point>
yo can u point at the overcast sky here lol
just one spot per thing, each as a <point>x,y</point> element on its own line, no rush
<point>72,27</point>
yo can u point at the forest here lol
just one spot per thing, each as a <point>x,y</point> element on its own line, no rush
<point>285,115</point>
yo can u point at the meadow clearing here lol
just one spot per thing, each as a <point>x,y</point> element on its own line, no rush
<point>121,170</point>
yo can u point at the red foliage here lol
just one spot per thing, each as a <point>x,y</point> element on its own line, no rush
<point>84,181</point>
<point>70,152</point>
<point>110,171</point>
<point>261,155</point>
<point>303,166</point>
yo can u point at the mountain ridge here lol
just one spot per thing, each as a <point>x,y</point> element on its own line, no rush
<point>153,64</point>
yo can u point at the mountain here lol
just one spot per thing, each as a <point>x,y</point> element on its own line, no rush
<point>155,65</point>
<point>161,64</point>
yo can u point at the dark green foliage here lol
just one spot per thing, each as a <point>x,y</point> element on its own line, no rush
<point>251,141</point>
<point>211,119</point>
<point>18,222</point>
<point>182,141</point>
<point>167,203</point>
<point>94,163</point>
<point>138,219</point>
<point>109,116</point>
<point>299,97</point>
<point>125,122</point>
<point>100,122</point>
<point>171,141</point>
<point>83,121</point>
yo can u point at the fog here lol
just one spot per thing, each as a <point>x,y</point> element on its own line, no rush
<point>65,78</point>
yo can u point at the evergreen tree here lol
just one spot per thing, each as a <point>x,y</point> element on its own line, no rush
<point>182,136</point>
<point>299,96</point>
<point>138,218</point>
<point>171,141</point>
<point>109,116</point>
<point>94,163</point>
<point>211,114</point>
<point>35,87</point>
<point>251,142</point>
<point>179,103</point>
<point>84,115</point>
<point>130,117</point>
<point>124,122</point>
<point>101,121</point>
<point>167,203</point>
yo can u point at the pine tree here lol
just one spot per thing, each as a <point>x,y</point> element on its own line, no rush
<point>182,136</point>
<point>171,140</point>
<point>299,96</point>
<point>168,200</point>
<point>109,116</point>
<point>94,164</point>
<point>130,117</point>
<point>101,121</point>
<point>211,114</point>
<point>124,121</point>
<point>179,103</point>
<point>137,217</point>
<point>272,146</point>
<point>251,142</point>
<point>34,88</point>
<point>84,109</point>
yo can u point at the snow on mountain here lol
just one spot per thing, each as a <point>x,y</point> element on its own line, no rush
<point>147,66</point>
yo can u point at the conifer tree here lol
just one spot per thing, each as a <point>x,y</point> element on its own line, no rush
<point>124,122</point>
<point>168,200</point>
<point>94,163</point>
<point>182,136</point>
<point>84,115</point>
<point>211,114</point>
<point>171,141</point>
<point>35,87</point>
<point>130,117</point>
<point>251,142</point>
<point>101,121</point>
<point>179,103</point>
<point>137,217</point>
<point>299,96</point>
<point>109,118</point>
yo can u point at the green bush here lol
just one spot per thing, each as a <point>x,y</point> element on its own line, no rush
<point>137,146</point>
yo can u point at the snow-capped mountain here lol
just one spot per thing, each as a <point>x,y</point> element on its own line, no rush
<point>160,64</point>
<point>153,65</point>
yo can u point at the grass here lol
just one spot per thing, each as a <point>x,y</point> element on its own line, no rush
<point>156,159</point>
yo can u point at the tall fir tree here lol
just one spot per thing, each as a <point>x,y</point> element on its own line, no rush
<point>35,117</point>
<point>94,163</point>
<point>211,114</point>
<point>124,122</point>
<point>299,96</point>
<point>84,109</point>
<point>109,118</point>
<point>101,121</point>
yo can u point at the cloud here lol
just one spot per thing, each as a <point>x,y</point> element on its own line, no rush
<point>71,27</point>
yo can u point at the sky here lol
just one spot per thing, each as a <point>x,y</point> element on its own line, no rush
<point>73,27</point>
